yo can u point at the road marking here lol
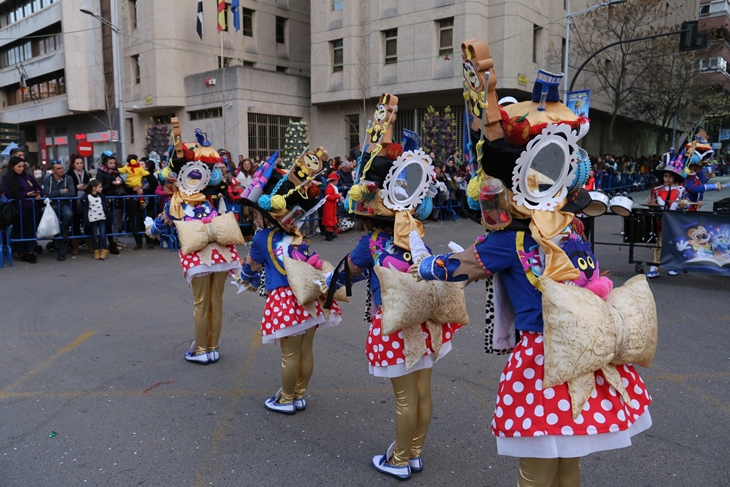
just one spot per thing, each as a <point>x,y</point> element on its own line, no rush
<point>208,471</point>
<point>78,341</point>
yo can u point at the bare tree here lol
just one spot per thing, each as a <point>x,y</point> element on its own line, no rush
<point>619,70</point>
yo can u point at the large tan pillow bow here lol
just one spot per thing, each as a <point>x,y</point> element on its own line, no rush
<point>196,236</point>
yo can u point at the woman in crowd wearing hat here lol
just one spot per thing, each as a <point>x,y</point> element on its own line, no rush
<point>669,195</point>
<point>391,202</point>
<point>284,201</point>
<point>527,198</point>
<point>329,213</point>
<point>207,255</point>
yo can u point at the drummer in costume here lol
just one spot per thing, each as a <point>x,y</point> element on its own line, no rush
<point>670,195</point>
<point>207,241</point>
<point>274,263</point>
<point>390,197</point>
<point>554,405</point>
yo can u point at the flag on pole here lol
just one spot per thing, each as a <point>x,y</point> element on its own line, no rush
<point>236,15</point>
<point>221,15</point>
<point>199,26</point>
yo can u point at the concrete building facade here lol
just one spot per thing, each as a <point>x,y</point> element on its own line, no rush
<point>322,61</point>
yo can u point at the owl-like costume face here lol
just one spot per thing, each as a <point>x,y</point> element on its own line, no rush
<point>471,76</point>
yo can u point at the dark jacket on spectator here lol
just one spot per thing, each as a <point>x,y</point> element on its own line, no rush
<point>345,182</point>
<point>107,177</point>
<point>26,184</point>
<point>86,177</point>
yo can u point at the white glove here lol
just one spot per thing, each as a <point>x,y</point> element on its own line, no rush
<point>682,245</point>
<point>418,248</point>
<point>148,222</point>
<point>455,247</point>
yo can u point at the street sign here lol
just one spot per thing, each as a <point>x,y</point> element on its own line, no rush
<point>85,148</point>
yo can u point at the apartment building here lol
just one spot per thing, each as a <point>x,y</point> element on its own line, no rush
<point>322,61</point>
<point>715,15</point>
<point>361,48</point>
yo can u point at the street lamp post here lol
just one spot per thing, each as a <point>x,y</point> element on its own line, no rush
<point>568,18</point>
<point>118,87</point>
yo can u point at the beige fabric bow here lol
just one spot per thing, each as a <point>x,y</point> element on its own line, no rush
<point>584,334</point>
<point>196,236</point>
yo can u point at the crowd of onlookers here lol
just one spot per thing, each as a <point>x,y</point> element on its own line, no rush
<point>93,217</point>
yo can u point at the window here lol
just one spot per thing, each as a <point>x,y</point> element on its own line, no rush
<point>249,64</point>
<point>391,46</point>
<point>280,30</point>
<point>133,11</point>
<point>337,56</point>
<point>136,69</point>
<point>207,113</point>
<point>131,129</point>
<point>562,56</point>
<point>446,36</point>
<point>705,10</point>
<point>535,39</point>
<point>266,133</point>
<point>225,62</point>
<point>281,69</point>
<point>353,130</point>
<point>40,88</point>
<point>337,4</point>
<point>247,22</point>
<point>19,10</point>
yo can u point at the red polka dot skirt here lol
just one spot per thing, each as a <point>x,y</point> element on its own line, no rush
<point>525,408</point>
<point>285,316</point>
<point>385,352</point>
<point>191,265</point>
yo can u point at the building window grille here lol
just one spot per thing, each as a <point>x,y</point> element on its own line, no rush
<point>206,113</point>
<point>136,69</point>
<point>266,134</point>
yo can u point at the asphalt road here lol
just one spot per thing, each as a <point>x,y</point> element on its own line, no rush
<point>85,339</point>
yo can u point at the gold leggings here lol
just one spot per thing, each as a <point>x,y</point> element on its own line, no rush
<point>658,248</point>
<point>208,298</point>
<point>412,414</point>
<point>297,365</point>
<point>549,472</point>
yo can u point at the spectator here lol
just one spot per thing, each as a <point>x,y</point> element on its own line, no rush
<point>134,175</point>
<point>19,185</point>
<point>58,184</point>
<point>240,160</point>
<point>80,179</point>
<point>154,165</point>
<point>96,211</point>
<point>355,152</point>
<point>329,214</point>
<point>345,178</point>
<point>246,171</point>
<point>18,152</point>
<point>112,185</point>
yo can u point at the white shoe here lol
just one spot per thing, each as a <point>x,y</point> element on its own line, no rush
<point>300,404</point>
<point>201,358</point>
<point>380,463</point>
<point>672,272</point>
<point>274,406</point>
<point>213,356</point>
<point>416,464</point>
<point>653,272</point>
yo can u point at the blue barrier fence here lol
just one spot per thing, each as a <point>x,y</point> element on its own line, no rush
<point>128,215</point>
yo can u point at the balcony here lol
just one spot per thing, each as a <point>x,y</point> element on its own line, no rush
<point>35,67</point>
<point>56,106</point>
<point>714,8</point>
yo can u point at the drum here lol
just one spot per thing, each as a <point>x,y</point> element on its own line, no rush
<point>599,203</point>
<point>646,225</point>
<point>621,205</point>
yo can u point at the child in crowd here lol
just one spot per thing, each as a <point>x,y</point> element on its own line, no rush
<point>96,212</point>
<point>134,173</point>
<point>329,214</point>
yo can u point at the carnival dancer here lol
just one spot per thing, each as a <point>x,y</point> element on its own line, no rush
<point>285,201</point>
<point>207,255</point>
<point>670,195</point>
<point>697,181</point>
<point>389,213</point>
<point>526,198</point>
<point>329,212</point>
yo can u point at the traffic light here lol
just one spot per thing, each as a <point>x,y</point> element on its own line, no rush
<point>690,39</point>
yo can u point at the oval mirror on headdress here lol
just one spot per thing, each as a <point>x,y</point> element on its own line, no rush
<point>193,178</point>
<point>546,168</point>
<point>407,181</point>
